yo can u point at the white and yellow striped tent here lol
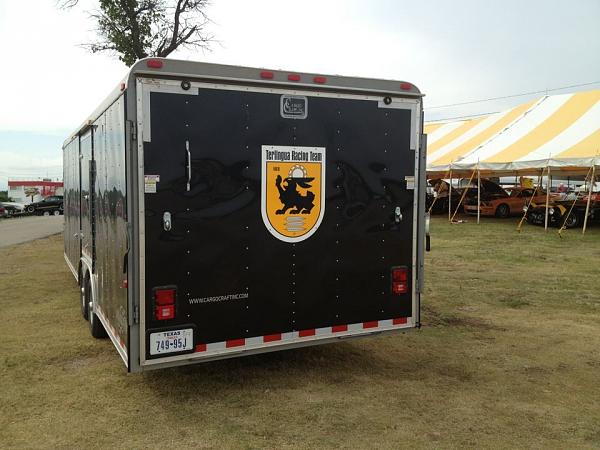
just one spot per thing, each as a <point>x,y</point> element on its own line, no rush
<point>561,132</point>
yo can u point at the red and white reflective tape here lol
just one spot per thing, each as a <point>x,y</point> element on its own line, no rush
<point>111,330</point>
<point>305,335</point>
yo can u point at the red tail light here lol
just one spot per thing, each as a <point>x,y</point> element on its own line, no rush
<point>399,280</point>
<point>320,79</point>
<point>164,303</point>
<point>266,74</point>
<point>293,77</point>
<point>405,86</point>
<point>154,63</point>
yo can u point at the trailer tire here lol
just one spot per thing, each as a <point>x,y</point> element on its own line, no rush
<point>30,209</point>
<point>96,328</point>
<point>503,211</point>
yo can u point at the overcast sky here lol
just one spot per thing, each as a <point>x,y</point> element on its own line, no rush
<point>454,51</point>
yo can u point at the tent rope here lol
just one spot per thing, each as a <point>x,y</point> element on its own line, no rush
<point>564,225</point>
<point>462,197</point>
<point>530,201</point>
<point>435,198</point>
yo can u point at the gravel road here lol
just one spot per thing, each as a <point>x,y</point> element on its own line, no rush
<point>23,229</point>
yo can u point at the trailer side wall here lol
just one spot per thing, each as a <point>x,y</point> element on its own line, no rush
<point>110,215</point>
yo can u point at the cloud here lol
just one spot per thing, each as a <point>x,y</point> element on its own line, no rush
<point>453,51</point>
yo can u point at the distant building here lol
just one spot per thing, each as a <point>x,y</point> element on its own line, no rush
<point>24,191</point>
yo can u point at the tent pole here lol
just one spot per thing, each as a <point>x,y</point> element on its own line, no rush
<point>587,207</point>
<point>450,195</point>
<point>537,187</point>
<point>478,193</point>
<point>548,183</point>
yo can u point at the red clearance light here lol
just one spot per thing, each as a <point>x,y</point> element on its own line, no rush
<point>154,63</point>
<point>267,75</point>
<point>122,86</point>
<point>399,280</point>
<point>320,79</point>
<point>164,296</point>
<point>406,86</point>
<point>164,303</point>
<point>293,77</point>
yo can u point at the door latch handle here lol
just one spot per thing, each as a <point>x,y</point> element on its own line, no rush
<point>397,214</point>
<point>189,165</point>
<point>167,221</point>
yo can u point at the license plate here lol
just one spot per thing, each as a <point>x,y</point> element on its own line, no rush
<point>171,341</point>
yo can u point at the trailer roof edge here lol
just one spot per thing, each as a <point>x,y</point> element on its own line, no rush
<point>166,67</point>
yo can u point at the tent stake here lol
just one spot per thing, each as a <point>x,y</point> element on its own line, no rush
<point>587,207</point>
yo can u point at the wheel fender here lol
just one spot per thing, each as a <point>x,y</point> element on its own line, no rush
<point>86,268</point>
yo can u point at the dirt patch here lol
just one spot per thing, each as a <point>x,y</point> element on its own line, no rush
<point>436,318</point>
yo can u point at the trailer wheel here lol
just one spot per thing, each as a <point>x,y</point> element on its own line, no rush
<point>96,328</point>
<point>30,209</point>
<point>502,211</point>
<point>56,212</point>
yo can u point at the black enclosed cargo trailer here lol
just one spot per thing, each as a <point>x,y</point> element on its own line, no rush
<point>215,211</point>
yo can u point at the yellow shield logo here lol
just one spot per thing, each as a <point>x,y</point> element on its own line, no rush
<point>293,191</point>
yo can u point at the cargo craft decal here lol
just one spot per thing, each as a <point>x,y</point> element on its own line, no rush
<point>293,191</point>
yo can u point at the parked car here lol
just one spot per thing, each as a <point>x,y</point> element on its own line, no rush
<point>12,208</point>
<point>558,212</point>
<point>439,189</point>
<point>508,203</point>
<point>50,205</point>
<point>3,212</point>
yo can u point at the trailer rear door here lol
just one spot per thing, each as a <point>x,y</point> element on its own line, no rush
<point>273,214</point>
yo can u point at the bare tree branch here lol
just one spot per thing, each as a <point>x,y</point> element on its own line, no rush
<point>66,4</point>
<point>134,29</point>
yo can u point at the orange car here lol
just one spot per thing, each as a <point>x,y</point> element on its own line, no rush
<point>505,205</point>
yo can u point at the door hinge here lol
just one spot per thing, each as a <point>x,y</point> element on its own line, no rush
<point>136,314</point>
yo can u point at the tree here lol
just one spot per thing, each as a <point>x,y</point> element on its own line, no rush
<point>135,29</point>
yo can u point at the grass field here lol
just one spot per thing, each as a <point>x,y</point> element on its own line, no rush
<point>508,357</point>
